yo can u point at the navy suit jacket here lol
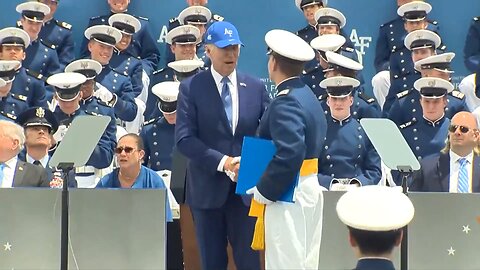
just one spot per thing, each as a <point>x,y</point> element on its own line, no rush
<point>204,136</point>
<point>434,174</point>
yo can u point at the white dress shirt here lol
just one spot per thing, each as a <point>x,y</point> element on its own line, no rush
<point>9,172</point>
<point>232,85</point>
<point>455,170</point>
<point>43,161</point>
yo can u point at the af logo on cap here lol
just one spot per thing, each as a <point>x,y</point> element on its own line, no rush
<point>432,83</point>
<point>40,112</point>
<point>228,32</point>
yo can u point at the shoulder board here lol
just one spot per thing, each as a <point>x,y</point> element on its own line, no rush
<point>367,98</point>
<point>403,94</point>
<point>217,18</point>
<point>442,47</point>
<point>153,120</point>
<point>140,17</point>
<point>96,17</point>
<point>458,94</point>
<point>476,19</point>
<point>283,92</point>
<point>48,44</point>
<point>34,74</point>
<point>19,24</point>
<point>64,25</point>
<point>93,113</point>
<point>120,73</point>
<point>172,20</point>
<point>158,71</point>
<point>433,22</point>
<point>322,97</point>
<point>100,102</point>
<point>8,115</point>
<point>348,49</point>
<point>407,124</point>
<point>19,97</point>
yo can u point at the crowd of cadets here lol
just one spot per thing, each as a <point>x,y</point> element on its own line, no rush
<point>119,61</point>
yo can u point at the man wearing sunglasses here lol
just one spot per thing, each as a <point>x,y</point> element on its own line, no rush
<point>457,167</point>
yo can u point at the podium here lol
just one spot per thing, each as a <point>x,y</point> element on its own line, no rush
<point>109,229</point>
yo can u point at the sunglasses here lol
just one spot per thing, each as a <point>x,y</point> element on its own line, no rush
<point>127,149</point>
<point>453,128</point>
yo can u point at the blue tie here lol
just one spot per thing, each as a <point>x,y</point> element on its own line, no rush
<point>227,99</point>
<point>463,176</point>
<point>2,165</point>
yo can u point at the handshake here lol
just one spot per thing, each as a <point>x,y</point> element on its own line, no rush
<point>344,184</point>
<point>231,167</point>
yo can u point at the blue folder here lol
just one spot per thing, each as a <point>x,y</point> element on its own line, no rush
<point>256,155</point>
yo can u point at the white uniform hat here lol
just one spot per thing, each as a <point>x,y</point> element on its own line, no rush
<point>12,36</point>
<point>183,34</point>
<point>420,39</point>
<point>433,87</point>
<point>414,11</point>
<point>305,3</point>
<point>186,66</point>
<point>328,42</point>
<point>167,92</point>
<point>440,62</point>
<point>338,61</point>
<point>2,82</point>
<point>33,11</point>
<point>8,69</point>
<point>339,86</point>
<point>330,16</point>
<point>126,23</point>
<point>88,67</point>
<point>289,45</point>
<point>67,84</point>
<point>195,15</point>
<point>375,208</point>
<point>104,34</point>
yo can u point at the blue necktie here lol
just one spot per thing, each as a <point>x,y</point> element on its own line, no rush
<point>463,176</point>
<point>227,99</point>
<point>2,165</point>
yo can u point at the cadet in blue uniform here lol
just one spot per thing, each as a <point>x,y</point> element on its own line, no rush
<point>407,106</point>
<point>295,123</point>
<point>183,40</point>
<point>41,56</point>
<point>13,42</point>
<point>68,95</point>
<point>348,153</point>
<point>58,34</point>
<point>11,105</point>
<point>122,61</point>
<point>143,44</point>
<point>375,229</point>
<point>471,50</point>
<point>89,103</point>
<point>427,135</point>
<point>117,88</point>
<point>363,106</point>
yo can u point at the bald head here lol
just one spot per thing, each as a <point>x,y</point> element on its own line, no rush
<point>466,119</point>
<point>463,133</point>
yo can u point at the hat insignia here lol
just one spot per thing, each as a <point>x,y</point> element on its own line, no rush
<point>186,30</point>
<point>84,65</point>
<point>432,83</point>
<point>326,12</point>
<point>339,82</point>
<point>66,86</point>
<point>419,36</point>
<point>127,21</point>
<point>449,58</point>
<point>198,11</point>
<point>228,32</point>
<point>40,112</point>
<point>13,33</point>
<point>109,32</point>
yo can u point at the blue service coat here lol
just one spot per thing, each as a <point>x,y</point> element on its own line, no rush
<point>12,105</point>
<point>374,264</point>
<point>471,51</point>
<point>94,106</point>
<point>30,84</point>
<point>130,66</point>
<point>42,57</point>
<point>163,75</point>
<point>60,35</point>
<point>159,139</point>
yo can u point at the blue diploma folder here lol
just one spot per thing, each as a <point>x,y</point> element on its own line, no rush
<point>256,155</point>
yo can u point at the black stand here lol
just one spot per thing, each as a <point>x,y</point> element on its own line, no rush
<point>66,168</point>
<point>405,172</point>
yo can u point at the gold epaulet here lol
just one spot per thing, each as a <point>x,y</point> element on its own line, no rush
<point>48,44</point>
<point>8,115</point>
<point>34,74</point>
<point>64,25</point>
<point>217,18</point>
<point>19,97</point>
<point>458,94</point>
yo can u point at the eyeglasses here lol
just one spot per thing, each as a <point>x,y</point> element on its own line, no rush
<point>453,128</point>
<point>127,149</point>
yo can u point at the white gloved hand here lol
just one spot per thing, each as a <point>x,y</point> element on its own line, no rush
<point>342,187</point>
<point>258,196</point>
<point>58,136</point>
<point>103,94</point>
<point>231,174</point>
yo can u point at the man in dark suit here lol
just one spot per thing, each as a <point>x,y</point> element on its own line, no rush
<point>457,167</point>
<point>375,229</point>
<point>13,172</point>
<point>216,109</point>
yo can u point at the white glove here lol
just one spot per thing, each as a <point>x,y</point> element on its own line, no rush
<point>231,174</point>
<point>103,94</point>
<point>58,136</point>
<point>343,187</point>
<point>258,196</point>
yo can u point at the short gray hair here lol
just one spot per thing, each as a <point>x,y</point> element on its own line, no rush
<point>13,131</point>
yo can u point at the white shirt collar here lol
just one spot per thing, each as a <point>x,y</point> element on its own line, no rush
<point>218,78</point>
<point>12,162</point>
<point>454,157</point>
<point>43,161</point>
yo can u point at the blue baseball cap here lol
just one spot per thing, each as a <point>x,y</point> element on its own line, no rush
<point>222,34</point>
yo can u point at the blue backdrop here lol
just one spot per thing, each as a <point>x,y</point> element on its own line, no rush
<point>254,18</point>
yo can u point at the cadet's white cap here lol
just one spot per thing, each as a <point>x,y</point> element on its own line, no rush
<point>167,92</point>
<point>289,45</point>
<point>431,87</point>
<point>339,86</point>
<point>67,84</point>
<point>414,11</point>
<point>12,36</point>
<point>328,42</point>
<point>8,69</point>
<point>104,34</point>
<point>375,208</point>
<point>195,15</point>
<point>33,11</point>
<point>186,66</point>
<point>184,34</point>
<point>305,3</point>
<point>126,23</point>
<point>336,61</point>
<point>88,67</point>
<point>330,16</point>
<point>440,62</point>
<point>419,39</point>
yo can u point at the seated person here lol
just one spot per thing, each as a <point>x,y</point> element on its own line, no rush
<point>457,167</point>
<point>13,172</point>
<point>375,229</point>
